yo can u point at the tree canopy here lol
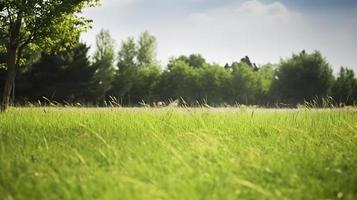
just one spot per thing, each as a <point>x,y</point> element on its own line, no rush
<point>304,77</point>
<point>103,62</point>
<point>37,24</point>
<point>133,76</point>
<point>44,24</point>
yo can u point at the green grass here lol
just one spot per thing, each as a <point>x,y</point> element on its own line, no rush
<point>170,153</point>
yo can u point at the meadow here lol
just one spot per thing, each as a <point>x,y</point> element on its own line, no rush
<point>178,153</point>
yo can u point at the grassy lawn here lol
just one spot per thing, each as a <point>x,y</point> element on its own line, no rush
<point>171,153</point>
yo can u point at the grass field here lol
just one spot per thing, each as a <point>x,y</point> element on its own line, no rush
<point>177,153</point>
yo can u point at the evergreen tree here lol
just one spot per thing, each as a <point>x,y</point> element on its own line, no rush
<point>66,76</point>
<point>104,58</point>
<point>126,73</point>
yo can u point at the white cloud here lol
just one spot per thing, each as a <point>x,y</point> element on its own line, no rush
<point>264,31</point>
<point>227,33</point>
<point>255,7</point>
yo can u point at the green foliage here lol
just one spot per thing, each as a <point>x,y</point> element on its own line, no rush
<point>29,25</point>
<point>146,52</point>
<point>246,60</point>
<point>179,81</point>
<point>213,83</point>
<point>265,76</point>
<point>69,153</point>
<point>138,70</point>
<point>304,77</point>
<point>127,70</point>
<point>193,60</point>
<point>145,85</point>
<point>244,83</point>
<point>46,25</point>
<point>344,90</point>
<point>66,76</point>
<point>138,78</point>
<point>29,28</point>
<point>104,64</point>
<point>194,80</point>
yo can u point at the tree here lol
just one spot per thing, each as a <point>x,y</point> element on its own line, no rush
<point>244,83</point>
<point>37,24</point>
<point>65,76</point>
<point>194,60</point>
<point>247,61</point>
<point>127,70</point>
<point>145,85</point>
<point>104,58</point>
<point>213,83</point>
<point>2,68</point>
<point>265,76</point>
<point>304,77</point>
<point>148,69</point>
<point>146,53</point>
<point>345,87</point>
<point>179,80</point>
<point>138,70</point>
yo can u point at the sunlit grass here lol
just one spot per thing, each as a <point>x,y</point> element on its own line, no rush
<point>177,153</point>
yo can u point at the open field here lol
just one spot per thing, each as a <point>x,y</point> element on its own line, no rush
<point>176,153</point>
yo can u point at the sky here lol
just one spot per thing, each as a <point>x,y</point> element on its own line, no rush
<point>224,31</point>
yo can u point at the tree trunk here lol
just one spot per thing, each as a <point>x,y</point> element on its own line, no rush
<point>10,78</point>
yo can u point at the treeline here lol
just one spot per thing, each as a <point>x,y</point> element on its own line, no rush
<point>133,76</point>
